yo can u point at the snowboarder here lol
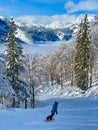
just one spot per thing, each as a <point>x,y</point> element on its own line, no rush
<point>53,111</point>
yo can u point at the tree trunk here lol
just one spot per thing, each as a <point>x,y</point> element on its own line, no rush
<point>13,104</point>
<point>91,76</point>
<point>26,103</point>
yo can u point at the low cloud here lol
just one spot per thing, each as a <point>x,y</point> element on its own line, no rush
<point>45,20</point>
<point>84,5</point>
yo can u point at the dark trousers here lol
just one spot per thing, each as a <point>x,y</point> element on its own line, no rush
<point>50,116</point>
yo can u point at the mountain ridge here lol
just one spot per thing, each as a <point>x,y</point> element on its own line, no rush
<point>49,30</point>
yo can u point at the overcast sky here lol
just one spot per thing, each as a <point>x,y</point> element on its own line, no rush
<point>15,8</point>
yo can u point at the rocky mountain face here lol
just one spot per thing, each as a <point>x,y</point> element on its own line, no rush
<point>34,33</point>
<point>46,34</point>
<point>3,30</point>
<point>31,34</point>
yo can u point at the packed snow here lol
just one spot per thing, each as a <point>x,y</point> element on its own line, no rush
<point>73,114</point>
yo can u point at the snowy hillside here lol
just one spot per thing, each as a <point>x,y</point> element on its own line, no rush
<point>73,114</point>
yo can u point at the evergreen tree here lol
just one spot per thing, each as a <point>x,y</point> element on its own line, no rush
<point>14,66</point>
<point>82,58</point>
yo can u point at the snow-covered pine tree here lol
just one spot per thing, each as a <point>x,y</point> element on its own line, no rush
<point>14,66</point>
<point>82,58</point>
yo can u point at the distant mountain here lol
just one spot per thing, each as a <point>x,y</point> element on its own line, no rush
<point>47,29</point>
<point>34,34</point>
<point>3,29</point>
<point>53,22</point>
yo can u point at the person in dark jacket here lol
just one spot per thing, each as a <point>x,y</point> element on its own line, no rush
<point>53,111</point>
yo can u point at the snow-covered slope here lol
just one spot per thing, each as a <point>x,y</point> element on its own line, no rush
<point>22,36</point>
<point>68,92</point>
<point>73,114</point>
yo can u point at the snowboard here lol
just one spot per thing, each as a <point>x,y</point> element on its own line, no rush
<point>49,120</point>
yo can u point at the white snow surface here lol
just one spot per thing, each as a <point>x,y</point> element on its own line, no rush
<point>22,36</point>
<point>73,114</point>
